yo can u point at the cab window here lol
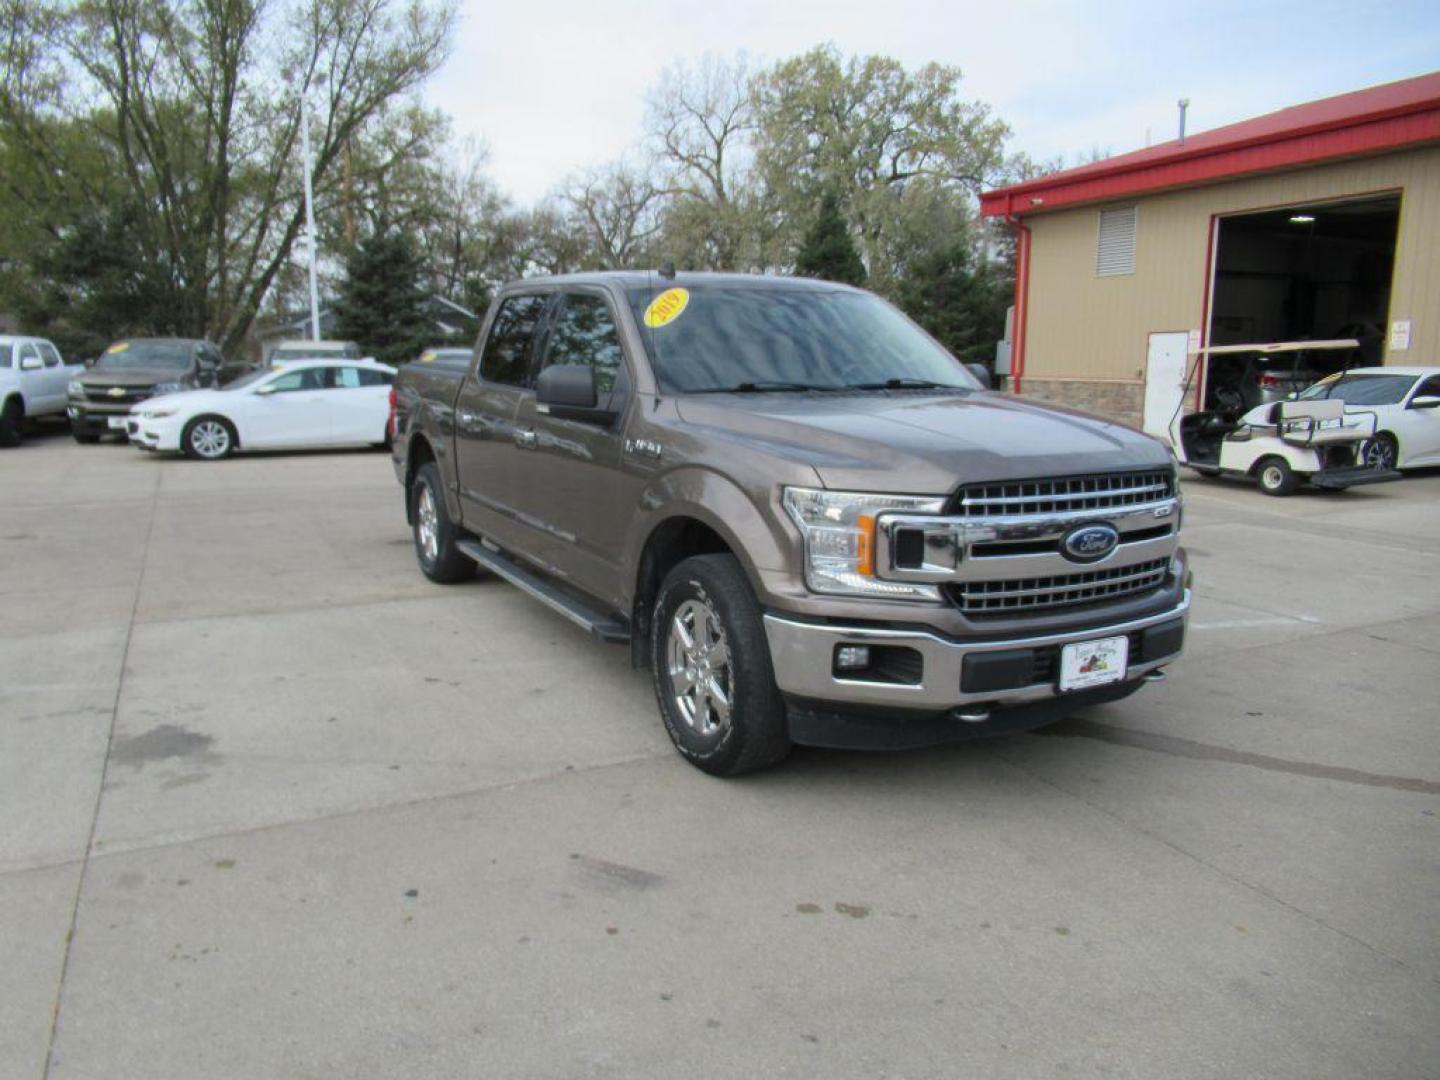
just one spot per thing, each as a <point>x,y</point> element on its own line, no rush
<point>583,331</point>
<point>506,358</point>
<point>51,357</point>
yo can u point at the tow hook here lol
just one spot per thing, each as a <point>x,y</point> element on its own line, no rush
<point>1157,675</point>
<point>971,714</point>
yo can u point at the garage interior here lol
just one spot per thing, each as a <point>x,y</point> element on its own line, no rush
<point>1296,273</point>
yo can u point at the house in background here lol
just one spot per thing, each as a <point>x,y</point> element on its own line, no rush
<point>1315,222</point>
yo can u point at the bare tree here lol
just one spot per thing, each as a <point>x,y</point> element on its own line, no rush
<point>617,206</point>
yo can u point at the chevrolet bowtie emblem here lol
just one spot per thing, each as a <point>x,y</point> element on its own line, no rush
<point>117,391</point>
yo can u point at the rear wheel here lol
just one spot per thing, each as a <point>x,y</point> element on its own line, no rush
<point>1275,476</point>
<point>1381,452</point>
<point>12,418</point>
<point>711,662</point>
<point>208,438</point>
<point>435,534</point>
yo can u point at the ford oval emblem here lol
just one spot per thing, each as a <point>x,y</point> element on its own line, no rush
<point>1089,543</point>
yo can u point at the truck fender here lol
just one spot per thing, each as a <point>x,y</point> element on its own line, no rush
<point>422,447</point>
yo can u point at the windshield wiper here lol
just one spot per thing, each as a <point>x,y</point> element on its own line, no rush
<point>904,384</point>
<point>764,388</point>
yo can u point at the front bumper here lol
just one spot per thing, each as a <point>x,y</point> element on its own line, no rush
<point>952,673</point>
<point>161,434</point>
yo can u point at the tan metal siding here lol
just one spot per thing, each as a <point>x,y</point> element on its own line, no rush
<point>1081,326</point>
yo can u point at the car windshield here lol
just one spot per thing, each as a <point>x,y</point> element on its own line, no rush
<point>1362,389</point>
<point>715,338</point>
<point>147,354</point>
<point>6,351</point>
<point>248,379</point>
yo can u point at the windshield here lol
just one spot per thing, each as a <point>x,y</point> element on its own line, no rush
<point>248,379</point>
<point>147,354</point>
<point>1362,389</point>
<point>710,338</point>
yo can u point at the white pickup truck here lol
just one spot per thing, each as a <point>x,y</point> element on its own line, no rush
<point>33,381</point>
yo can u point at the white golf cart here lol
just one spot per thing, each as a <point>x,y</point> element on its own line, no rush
<point>1281,444</point>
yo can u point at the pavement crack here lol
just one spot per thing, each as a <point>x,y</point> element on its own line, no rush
<point>100,786</point>
<point>1235,879</point>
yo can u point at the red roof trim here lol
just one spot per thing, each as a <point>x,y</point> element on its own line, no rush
<point>1370,121</point>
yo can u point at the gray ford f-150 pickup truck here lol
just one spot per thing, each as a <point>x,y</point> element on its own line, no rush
<point>805,516</point>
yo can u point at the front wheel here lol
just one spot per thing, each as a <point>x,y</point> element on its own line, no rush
<point>1275,476</point>
<point>435,534</point>
<point>208,438</point>
<point>713,679</point>
<point>1381,452</point>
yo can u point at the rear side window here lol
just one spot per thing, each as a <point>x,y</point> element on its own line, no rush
<point>584,332</point>
<point>48,353</point>
<point>351,377</point>
<point>506,358</point>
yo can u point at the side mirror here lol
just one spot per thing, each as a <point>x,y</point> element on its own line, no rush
<point>982,375</point>
<point>1425,401</point>
<point>31,363</point>
<point>567,392</point>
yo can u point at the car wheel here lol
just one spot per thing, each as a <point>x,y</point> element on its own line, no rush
<point>12,418</point>
<point>1381,452</point>
<point>208,438</point>
<point>711,663</point>
<point>435,534</point>
<point>1275,476</point>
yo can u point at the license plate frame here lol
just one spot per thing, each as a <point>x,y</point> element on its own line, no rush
<point>119,423</point>
<point>1097,662</point>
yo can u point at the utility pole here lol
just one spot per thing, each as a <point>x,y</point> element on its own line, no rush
<point>312,243</point>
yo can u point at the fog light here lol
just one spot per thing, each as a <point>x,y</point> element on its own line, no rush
<point>852,657</point>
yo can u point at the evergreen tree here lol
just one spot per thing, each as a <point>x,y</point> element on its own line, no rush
<point>381,304</point>
<point>963,308</point>
<point>828,251</point>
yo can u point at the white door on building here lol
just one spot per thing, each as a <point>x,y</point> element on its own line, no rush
<point>1164,381</point>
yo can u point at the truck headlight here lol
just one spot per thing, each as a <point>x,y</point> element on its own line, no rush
<point>839,531</point>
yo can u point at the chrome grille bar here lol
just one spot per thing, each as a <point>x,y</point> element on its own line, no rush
<point>1099,492</point>
<point>1024,594</point>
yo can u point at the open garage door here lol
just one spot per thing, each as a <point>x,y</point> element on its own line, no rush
<point>1299,273</point>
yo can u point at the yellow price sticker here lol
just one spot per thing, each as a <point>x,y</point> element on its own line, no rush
<point>427,357</point>
<point>667,307</point>
<point>119,346</point>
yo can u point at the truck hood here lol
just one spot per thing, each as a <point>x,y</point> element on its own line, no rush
<point>921,442</point>
<point>99,379</point>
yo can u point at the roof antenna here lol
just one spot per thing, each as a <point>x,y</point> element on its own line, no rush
<point>1184,104</point>
<point>667,269</point>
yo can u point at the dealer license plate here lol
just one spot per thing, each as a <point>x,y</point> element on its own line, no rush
<point>1093,663</point>
<point>117,423</point>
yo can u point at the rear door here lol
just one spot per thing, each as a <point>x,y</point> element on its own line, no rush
<point>487,457</point>
<point>359,404</point>
<point>294,412</point>
<point>576,494</point>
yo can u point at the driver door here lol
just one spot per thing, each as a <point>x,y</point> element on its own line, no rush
<point>1418,430</point>
<point>292,409</point>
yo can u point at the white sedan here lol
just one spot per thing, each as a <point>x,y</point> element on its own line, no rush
<point>312,404</point>
<point>1406,404</point>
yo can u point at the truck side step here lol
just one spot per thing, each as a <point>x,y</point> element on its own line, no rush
<point>603,626</point>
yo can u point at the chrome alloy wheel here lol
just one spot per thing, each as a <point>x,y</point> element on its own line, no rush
<point>1379,453</point>
<point>210,439</point>
<point>698,659</point>
<point>428,522</point>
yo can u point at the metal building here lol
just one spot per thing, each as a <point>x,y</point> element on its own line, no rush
<point>1316,222</point>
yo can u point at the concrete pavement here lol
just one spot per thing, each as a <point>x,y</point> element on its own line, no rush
<point>276,806</point>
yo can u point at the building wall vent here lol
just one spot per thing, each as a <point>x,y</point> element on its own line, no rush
<point>1115,253</point>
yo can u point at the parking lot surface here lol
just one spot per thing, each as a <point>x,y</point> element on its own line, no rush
<point>275,806</point>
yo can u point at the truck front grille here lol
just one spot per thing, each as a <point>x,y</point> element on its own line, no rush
<point>1059,590</point>
<point>102,395</point>
<point>1103,491</point>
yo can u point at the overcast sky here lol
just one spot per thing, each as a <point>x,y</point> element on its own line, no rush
<point>555,85</point>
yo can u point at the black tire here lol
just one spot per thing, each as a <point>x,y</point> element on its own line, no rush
<point>209,438</point>
<point>752,732</point>
<point>1381,452</point>
<point>439,558</point>
<point>12,421</point>
<point>1275,476</point>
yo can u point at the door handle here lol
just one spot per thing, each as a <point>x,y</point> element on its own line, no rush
<point>526,440</point>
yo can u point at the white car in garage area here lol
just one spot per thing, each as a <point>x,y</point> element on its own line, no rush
<point>1406,404</point>
<point>317,403</point>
